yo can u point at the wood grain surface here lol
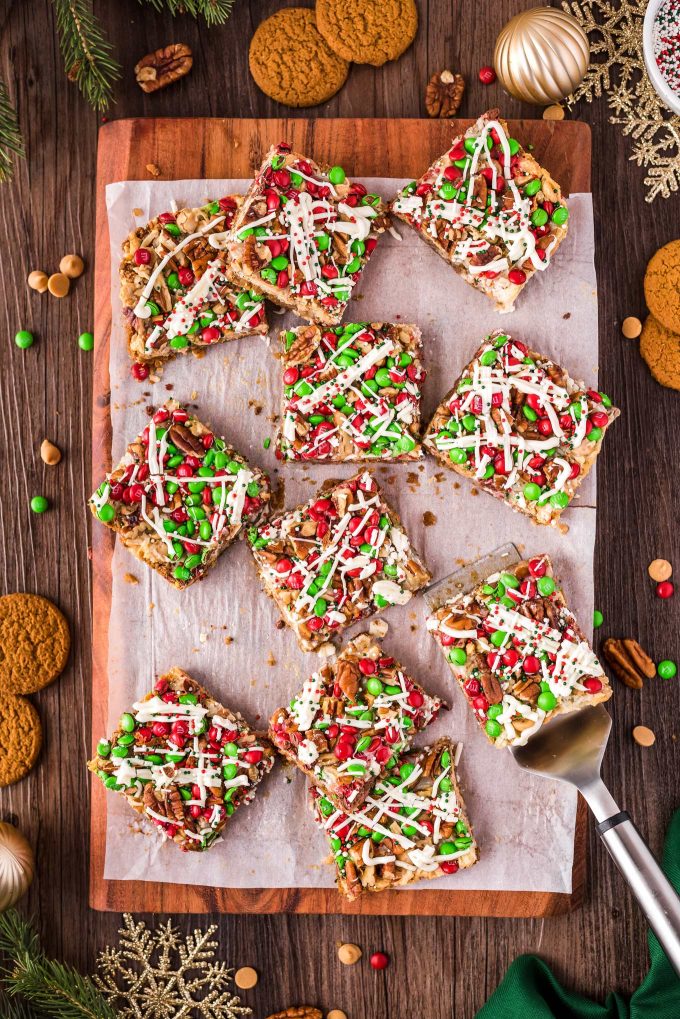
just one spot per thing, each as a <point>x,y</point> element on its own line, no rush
<point>440,967</point>
<point>221,148</point>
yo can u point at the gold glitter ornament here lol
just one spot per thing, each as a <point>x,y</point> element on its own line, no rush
<point>541,55</point>
<point>618,72</point>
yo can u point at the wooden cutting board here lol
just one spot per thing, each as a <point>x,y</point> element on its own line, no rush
<point>215,148</point>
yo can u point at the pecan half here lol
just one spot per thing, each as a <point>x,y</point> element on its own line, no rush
<point>493,690</point>
<point>629,661</point>
<point>163,66</point>
<point>347,678</point>
<point>443,94</point>
<point>185,441</point>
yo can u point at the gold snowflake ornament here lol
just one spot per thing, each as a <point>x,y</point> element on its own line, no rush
<point>160,975</point>
<point>617,70</point>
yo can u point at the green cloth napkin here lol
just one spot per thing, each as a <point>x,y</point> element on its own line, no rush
<point>529,989</point>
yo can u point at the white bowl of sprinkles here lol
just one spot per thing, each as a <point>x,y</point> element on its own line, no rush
<point>661,49</point>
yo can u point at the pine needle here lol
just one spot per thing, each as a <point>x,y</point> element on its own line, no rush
<point>40,987</point>
<point>11,142</point>
<point>214,12</point>
<point>88,56</point>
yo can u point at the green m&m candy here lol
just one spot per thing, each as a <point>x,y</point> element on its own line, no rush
<point>457,656</point>
<point>667,669</point>
<point>39,504</point>
<point>458,456</point>
<point>493,728</point>
<point>336,175</point>
<point>374,686</point>
<point>24,339</point>
<point>560,215</point>
<point>598,619</point>
<point>546,700</point>
<point>106,513</point>
<point>532,492</point>
<point>546,586</point>
<point>86,341</point>
<point>539,217</point>
<point>127,722</point>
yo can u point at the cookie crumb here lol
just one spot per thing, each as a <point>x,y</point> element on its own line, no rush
<point>153,169</point>
<point>130,578</point>
<point>270,659</point>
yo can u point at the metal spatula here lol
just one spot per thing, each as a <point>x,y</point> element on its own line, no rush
<point>570,748</point>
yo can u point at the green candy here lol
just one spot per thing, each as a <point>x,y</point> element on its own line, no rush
<point>188,698</point>
<point>406,771</point>
<point>127,722</point>
<point>380,601</point>
<point>595,434</point>
<point>173,281</point>
<point>514,146</point>
<point>172,229</point>
<point>356,768</point>
<point>532,492</point>
<point>447,191</point>
<point>546,700</point>
<point>532,187</point>
<point>153,308</point>
<point>126,740</point>
<point>457,655</point>
<point>447,848</point>
<point>493,728</point>
<point>446,785</point>
<point>469,422</point>
<point>279,263</point>
<point>560,215</point>
<point>112,783</point>
<point>230,771</point>
<point>103,748</point>
<point>457,456</point>
<point>352,266</point>
<point>374,686</point>
<point>363,744</point>
<point>495,710</point>
<point>39,504</point>
<point>323,242</point>
<point>180,573</point>
<point>560,500</point>
<point>598,619</point>
<point>205,530</point>
<point>106,513</point>
<point>120,752</point>
<point>382,377</point>
<point>498,638</point>
<point>539,217</point>
<point>445,759</point>
<point>24,339</point>
<point>509,580</point>
<point>336,175</point>
<point>529,412</point>
<point>86,341</point>
<point>320,606</point>
<point>488,358</point>
<point>231,749</point>
<point>546,586</point>
<point>667,669</point>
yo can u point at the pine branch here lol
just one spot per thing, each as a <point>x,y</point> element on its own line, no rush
<point>214,12</point>
<point>88,56</point>
<point>11,142</point>
<point>45,988</point>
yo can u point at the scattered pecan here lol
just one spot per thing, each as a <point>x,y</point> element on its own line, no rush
<point>303,346</point>
<point>444,93</point>
<point>347,678</point>
<point>528,690</point>
<point>185,441</point>
<point>298,1012</point>
<point>353,880</point>
<point>163,66</point>
<point>493,690</point>
<point>629,661</point>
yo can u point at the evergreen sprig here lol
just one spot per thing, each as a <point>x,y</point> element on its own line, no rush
<point>36,987</point>
<point>88,55</point>
<point>11,142</point>
<point>215,12</point>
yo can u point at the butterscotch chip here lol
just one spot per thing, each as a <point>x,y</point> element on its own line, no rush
<point>153,169</point>
<point>34,643</point>
<point>555,112</point>
<point>130,578</point>
<point>37,280</point>
<point>58,284</point>
<point>245,978</point>
<point>349,954</point>
<point>662,286</point>
<point>336,1013</point>
<point>291,61</point>
<point>368,31</point>
<point>643,736</point>
<point>659,570</point>
<point>631,327</point>
<point>660,349</point>
<point>20,738</point>
<point>49,453</point>
<point>72,266</point>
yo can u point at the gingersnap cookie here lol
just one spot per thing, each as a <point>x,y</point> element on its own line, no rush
<point>291,61</point>
<point>660,347</point>
<point>368,31</point>
<point>20,738</point>
<point>34,643</point>
<point>662,286</point>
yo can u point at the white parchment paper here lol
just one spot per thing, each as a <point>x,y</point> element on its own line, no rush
<point>237,387</point>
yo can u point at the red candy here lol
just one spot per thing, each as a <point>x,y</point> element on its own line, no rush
<point>139,371</point>
<point>537,567</point>
<point>531,665</point>
<point>142,256</point>
<point>367,666</point>
<point>665,589</point>
<point>487,75</point>
<point>449,867</point>
<point>517,276</point>
<point>592,685</point>
<point>379,960</point>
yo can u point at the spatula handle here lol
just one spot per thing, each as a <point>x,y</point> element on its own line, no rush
<point>650,886</point>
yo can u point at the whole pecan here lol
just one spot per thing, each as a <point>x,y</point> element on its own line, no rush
<point>444,93</point>
<point>347,678</point>
<point>163,66</point>
<point>493,691</point>
<point>629,661</point>
<point>185,440</point>
<point>298,1012</point>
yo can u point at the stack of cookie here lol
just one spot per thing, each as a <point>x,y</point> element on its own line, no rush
<point>660,339</point>
<point>301,57</point>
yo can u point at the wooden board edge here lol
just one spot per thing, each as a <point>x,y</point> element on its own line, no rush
<point>118,896</point>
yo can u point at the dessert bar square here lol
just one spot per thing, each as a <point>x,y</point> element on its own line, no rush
<point>339,558</point>
<point>413,826</point>
<point>303,235</point>
<point>519,427</point>
<point>183,760</point>
<point>180,495</point>
<point>489,209</point>
<point>518,652</point>
<point>351,393</point>
<point>351,720</point>
<point>173,287</point>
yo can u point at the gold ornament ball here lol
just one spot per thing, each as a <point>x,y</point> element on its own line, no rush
<point>541,55</point>
<point>16,865</point>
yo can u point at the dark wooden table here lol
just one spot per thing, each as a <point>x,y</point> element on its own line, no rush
<point>439,967</point>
